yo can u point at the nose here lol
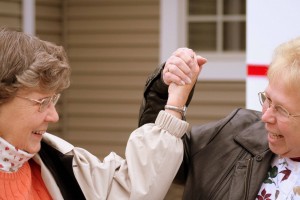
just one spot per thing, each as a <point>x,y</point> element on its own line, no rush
<point>52,115</point>
<point>268,115</point>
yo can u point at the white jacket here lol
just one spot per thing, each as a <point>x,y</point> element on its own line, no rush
<point>154,153</point>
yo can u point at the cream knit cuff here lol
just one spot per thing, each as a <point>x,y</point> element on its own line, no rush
<point>172,124</point>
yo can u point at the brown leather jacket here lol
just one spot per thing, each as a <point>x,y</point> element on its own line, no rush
<point>224,160</point>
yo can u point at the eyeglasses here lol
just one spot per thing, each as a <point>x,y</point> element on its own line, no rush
<point>45,102</point>
<point>266,102</point>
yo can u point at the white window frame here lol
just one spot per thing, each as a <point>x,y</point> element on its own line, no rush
<point>229,66</point>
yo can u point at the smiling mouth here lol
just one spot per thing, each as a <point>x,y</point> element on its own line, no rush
<point>275,136</point>
<point>38,132</point>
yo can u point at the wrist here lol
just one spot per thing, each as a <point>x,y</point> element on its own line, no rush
<point>179,109</point>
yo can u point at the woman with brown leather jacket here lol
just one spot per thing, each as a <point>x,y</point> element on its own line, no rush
<point>248,154</point>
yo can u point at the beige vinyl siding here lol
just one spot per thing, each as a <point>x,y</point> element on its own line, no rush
<point>11,14</point>
<point>49,20</point>
<point>213,100</point>
<point>113,45</point>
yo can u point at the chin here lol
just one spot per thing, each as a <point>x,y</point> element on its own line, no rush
<point>34,149</point>
<point>276,150</point>
<point>281,152</point>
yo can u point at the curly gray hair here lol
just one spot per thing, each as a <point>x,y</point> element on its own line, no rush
<point>28,62</point>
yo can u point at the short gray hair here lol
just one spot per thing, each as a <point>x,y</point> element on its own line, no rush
<point>28,62</point>
<point>285,65</point>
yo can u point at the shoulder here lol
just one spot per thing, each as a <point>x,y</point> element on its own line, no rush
<point>237,118</point>
<point>240,125</point>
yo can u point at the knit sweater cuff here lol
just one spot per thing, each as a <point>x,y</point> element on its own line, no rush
<point>172,124</point>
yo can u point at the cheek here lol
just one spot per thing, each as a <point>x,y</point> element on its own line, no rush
<point>290,131</point>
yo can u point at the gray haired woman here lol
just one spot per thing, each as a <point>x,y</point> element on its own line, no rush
<point>35,164</point>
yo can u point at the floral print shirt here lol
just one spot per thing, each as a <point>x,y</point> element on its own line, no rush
<point>282,181</point>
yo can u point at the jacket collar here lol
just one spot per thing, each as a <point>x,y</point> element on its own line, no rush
<point>57,143</point>
<point>253,138</point>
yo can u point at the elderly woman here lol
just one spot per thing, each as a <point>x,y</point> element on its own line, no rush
<point>37,165</point>
<point>248,154</point>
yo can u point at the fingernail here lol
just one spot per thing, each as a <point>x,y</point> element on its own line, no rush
<point>182,82</point>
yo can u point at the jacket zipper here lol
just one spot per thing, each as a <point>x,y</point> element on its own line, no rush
<point>214,193</point>
<point>248,175</point>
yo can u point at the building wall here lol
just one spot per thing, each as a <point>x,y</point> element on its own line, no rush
<point>11,14</point>
<point>112,46</point>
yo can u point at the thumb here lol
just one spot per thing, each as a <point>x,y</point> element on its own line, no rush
<point>201,60</point>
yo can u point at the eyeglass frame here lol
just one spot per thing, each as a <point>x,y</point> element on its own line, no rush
<point>269,101</point>
<point>42,106</point>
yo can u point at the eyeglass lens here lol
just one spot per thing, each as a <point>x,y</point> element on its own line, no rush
<point>46,102</point>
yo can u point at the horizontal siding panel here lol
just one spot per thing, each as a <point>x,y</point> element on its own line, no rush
<point>53,127</point>
<point>104,95</point>
<point>50,3</point>
<point>108,26</point>
<point>213,97</point>
<point>46,26</point>
<point>49,20</point>
<point>114,39</point>
<point>55,38</point>
<point>133,53</point>
<point>205,120</point>
<point>114,11</point>
<point>112,2</point>
<point>112,46</point>
<point>11,22</point>
<point>10,8</point>
<point>102,109</point>
<point>220,85</point>
<point>211,112</point>
<point>108,123</point>
<point>107,81</point>
<point>101,136</point>
<point>49,12</point>
<point>113,67</point>
<point>213,100</point>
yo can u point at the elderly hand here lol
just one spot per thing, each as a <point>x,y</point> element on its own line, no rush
<point>179,67</point>
<point>183,64</point>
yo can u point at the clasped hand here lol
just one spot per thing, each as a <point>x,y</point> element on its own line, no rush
<point>180,73</point>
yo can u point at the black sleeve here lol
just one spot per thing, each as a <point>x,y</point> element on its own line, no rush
<point>155,97</point>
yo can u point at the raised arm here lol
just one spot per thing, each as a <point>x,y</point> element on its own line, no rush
<point>154,151</point>
<point>177,69</point>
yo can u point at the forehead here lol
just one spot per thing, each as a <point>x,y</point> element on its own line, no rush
<point>34,92</point>
<point>283,95</point>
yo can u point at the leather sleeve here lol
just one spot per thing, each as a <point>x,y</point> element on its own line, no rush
<point>155,97</point>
